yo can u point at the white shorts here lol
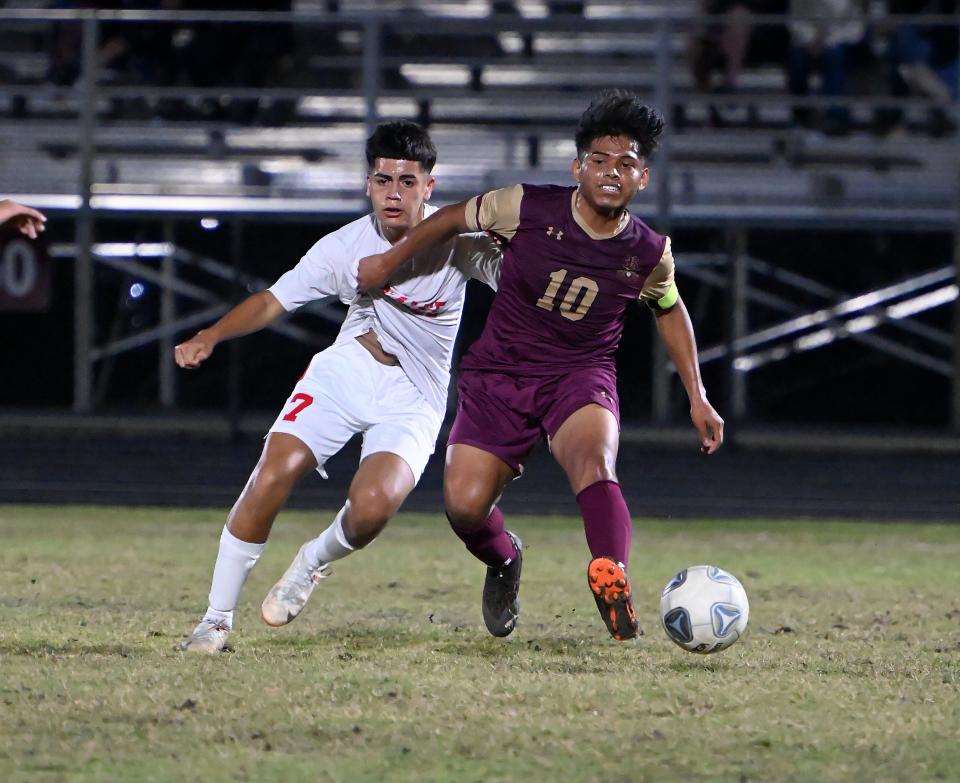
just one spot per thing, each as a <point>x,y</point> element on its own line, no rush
<point>345,391</point>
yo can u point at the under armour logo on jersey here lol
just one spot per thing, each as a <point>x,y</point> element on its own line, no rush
<point>550,233</point>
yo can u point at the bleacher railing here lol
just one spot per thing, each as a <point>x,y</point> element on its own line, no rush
<point>372,61</point>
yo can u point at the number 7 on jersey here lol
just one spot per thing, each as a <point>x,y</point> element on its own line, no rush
<point>302,401</point>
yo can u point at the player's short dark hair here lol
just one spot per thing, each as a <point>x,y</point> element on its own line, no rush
<point>619,113</point>
<point>401,140</point>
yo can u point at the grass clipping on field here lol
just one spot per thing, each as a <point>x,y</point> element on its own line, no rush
<point>849,670</point>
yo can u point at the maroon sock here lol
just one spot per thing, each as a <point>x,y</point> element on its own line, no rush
<point>606,520</point>
<point>488,543</point>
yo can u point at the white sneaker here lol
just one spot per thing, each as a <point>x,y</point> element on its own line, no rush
<point>288,596</point>
<point>210,636</point>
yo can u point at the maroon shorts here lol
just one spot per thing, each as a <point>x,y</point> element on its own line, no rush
<point>506,415</point>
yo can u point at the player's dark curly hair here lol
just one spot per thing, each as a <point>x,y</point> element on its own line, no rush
<point>401,140</point>
<point>619,113</point>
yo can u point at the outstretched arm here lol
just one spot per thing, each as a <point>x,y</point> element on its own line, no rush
<point>445,223</point>
<point>676,331</point>
<point>251,315</point>
<point>28,220</point>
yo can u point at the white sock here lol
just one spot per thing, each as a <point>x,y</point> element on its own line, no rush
<point>331,544</point>
<point>234,561</point>
<point>221,617</point>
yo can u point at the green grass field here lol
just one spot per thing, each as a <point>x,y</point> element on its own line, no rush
<point>850,670</point>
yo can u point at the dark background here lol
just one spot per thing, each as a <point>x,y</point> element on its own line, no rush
<point>841,384</point>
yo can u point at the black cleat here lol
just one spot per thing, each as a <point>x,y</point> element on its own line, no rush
<point>501,594</point>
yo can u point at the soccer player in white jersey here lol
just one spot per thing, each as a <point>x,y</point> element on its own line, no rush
<point>385,376</point>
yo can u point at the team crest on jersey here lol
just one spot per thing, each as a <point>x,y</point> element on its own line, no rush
<point>631,267</point>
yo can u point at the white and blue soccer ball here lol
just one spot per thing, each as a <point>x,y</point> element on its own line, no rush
<point>704,609</point>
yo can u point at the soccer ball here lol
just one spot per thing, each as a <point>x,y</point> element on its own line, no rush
<point>704,609</point>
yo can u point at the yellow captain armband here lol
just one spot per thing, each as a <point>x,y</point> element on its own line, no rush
<point>666,301</point>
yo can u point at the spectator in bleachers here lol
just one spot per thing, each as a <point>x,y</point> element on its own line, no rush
<point>722,45</point>
<point>823,43</point>
<point>137,53</point>
<point>199,54</point>
<point>925,57</point>
<point>727,46</point>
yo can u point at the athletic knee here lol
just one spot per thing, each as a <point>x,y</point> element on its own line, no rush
<point>591,469</point>
<point>370,510</point>
<point>271,477</point>
<point>281,465</point>
<point>467,507</point>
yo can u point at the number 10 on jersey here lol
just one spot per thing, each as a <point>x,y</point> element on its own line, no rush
<point>570,308</point>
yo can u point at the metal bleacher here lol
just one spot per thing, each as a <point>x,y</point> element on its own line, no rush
<point>501,94</point>
<point>501,103</point>
<point>496,118</point>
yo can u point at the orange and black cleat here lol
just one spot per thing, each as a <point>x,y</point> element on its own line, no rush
<point>611,588</point>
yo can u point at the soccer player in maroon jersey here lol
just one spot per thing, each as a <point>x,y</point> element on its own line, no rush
<point>574,259</point>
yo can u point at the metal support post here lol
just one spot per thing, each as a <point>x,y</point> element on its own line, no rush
<point>660,391</point>
<point>661,380</point>
<point>235,368</point>
<point>663,95</point>
<point>168,314</point>
<point>372,36</point>
<point>955,381</point>
<point>737,321</point>
<point>955,385</point>
<point>83,293</point>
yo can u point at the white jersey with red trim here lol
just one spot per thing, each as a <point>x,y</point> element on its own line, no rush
<point>417,315</point>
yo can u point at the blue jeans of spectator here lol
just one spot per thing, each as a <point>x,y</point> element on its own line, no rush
<point>910,47</point>
<point>950,73</point>
<point>833,71</point>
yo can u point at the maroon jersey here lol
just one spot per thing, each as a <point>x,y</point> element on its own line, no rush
<point>563,289</point>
